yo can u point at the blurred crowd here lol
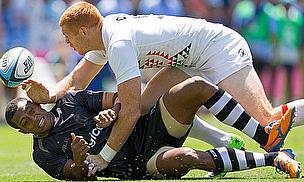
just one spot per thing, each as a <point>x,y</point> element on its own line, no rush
<point>272,28</point>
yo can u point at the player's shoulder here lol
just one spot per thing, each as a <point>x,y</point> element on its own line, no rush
<point>116,18</point>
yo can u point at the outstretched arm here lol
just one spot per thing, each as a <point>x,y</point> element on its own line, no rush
<point>78,79</point>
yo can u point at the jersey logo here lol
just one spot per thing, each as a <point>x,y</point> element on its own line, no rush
<point>121,18</point>
<point>156,59</point>
<point>242,52</point>
<point>94,134</point>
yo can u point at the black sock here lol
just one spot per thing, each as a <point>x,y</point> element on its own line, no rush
<point>230,159</point>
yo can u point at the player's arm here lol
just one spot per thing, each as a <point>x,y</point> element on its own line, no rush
<point>125,66</point>
<point>58,165</point>
<point>111,107</point>
<point>77,169</point>
<point>73,172</point>
<point>78,79</point>
<point>129,96</point>
<point>123,61</point>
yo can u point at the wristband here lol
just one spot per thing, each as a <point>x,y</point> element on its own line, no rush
<point>107,153</point>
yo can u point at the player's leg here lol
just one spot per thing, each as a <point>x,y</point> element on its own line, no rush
<point>183,100</point>
<point>246,88</point>
<point>161,83</point>
<point>299,107</point>
<point>176,162</point>
<point>203,131</point>
<point>252,97</point>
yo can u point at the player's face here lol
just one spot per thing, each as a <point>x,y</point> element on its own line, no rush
<point>76,41</point>
<point>31,118</point>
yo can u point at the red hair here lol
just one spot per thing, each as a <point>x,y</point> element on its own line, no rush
<point>80,14</point>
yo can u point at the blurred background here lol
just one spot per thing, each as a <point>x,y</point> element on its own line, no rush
<point>272,28</point>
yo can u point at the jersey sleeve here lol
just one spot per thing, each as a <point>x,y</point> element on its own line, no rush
<point>91,100</point>
<point>51,163</point>
<point>123,61</point>
<point>96,56</point>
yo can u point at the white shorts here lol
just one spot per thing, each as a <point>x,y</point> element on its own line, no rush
<point>226,54</point>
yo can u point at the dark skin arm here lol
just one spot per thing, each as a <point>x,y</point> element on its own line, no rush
<point>107,116</point>
<point>77,169</point>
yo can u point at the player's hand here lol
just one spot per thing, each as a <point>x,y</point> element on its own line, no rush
<point>105,118</point>
<point>96,163</point>
<point>37,92</point>
<point>79,148</point>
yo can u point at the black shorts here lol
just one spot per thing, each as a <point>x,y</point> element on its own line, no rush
<point>149,135</point>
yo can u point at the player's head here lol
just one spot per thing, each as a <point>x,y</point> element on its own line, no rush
<point>80,24</point>
<point>28,117</point>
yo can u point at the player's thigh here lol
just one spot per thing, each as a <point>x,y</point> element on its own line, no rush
<point>159,84</point>
<point>184,99</point>
<point>245,87</point>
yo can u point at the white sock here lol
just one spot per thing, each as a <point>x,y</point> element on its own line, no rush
<point>299,106</point>
<point>201,130</point>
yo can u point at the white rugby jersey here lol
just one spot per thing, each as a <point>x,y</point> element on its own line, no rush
<point>151,41</point>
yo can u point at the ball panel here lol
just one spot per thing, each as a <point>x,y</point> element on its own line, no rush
<point>7,72</point>
<point>25,65</point>
<point>6,63</point>
<point>13,84</point>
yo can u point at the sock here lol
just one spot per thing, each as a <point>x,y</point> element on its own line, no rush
<point>229,159</point>
<point>299,106</point>
<point>203,131</point>
<point>228,111</point>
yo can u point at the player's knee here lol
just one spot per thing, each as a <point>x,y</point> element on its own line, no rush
<point>200,87</point>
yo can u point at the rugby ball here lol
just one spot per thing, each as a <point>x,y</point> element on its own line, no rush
<point>16,66</point>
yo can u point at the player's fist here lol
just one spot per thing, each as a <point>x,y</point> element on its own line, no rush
<point>105,118</point>
<point>96,163</point>
<point>37,92</point>
<point>79,148</point>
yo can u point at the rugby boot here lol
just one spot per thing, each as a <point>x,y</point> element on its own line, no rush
<point>278,130</point>
<point>285,162</point>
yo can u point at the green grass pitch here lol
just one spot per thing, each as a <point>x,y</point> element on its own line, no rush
<point>16,162</point>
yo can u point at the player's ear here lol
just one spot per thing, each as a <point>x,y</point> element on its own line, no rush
<point>83,31</point>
